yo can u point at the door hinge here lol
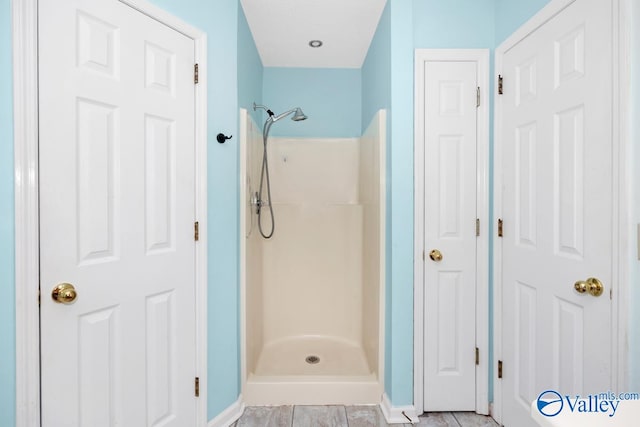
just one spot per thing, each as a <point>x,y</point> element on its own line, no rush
<point>477,227</point>
<point>38,297</point>
<point>196,231</point>
<point>197,387</point>
<point>423,255</point>
<point>195,74</point>
<point>499,227</point>
<point>478,97</point>
<point>610,293</point>
<point>499,368</point>
<point>500,92</point>
<point>477,356</point>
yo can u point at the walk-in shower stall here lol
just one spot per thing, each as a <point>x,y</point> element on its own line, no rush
<point>312,293</point>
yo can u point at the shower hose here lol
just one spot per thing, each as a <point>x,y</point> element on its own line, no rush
<point>265,173</point>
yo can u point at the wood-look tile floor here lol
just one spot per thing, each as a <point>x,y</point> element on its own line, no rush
<point>349,416</point>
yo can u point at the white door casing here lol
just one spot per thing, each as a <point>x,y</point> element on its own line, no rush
<point>117,208</point>
<point>450,196</point>
<point>555,183</point>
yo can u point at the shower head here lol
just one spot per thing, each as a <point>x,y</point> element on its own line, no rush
<point>298,115</point>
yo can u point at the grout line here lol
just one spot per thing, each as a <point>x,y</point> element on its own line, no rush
<point>346,417</point>
<point>293,414</point>
<point>456,418</point>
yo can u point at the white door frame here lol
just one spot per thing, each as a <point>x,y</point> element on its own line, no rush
<point>27,275</point>
<point>481,57</point>
<point>621,197</point>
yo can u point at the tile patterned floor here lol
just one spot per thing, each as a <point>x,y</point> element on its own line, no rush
<point>349,416</point>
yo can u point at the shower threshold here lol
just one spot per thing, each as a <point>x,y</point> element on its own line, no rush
<point>312,371</point>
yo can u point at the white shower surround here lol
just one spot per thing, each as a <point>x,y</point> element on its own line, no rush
<point>316,287</point>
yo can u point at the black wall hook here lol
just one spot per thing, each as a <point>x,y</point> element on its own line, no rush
<point>222,138</point>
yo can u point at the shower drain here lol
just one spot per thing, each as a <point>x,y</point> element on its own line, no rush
<point>312,359</point>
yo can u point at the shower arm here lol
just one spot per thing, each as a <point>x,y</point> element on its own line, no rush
<point>269,112</point>
<point>272,117</point>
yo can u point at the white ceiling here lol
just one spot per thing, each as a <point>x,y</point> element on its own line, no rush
<point>282,30</point>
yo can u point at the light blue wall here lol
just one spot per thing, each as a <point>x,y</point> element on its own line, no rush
<point>467,24</point>
<point>330,97</point>
<point>376,71</point>
<point>387,82</point>
<point>399,345</point>
<point>7,308</point>
<point>250,69</point>
<point>511,14</point>
<point>376,95</point>
<point>219,19</point>
<point>634,161</point>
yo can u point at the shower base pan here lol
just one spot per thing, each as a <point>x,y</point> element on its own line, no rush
<point>312,371</point>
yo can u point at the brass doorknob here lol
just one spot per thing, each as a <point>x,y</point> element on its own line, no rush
<point>64,293</point>
<point>595,286</point>
<point>435,255</point>
<point>592,285</point>
<point>580,286</point>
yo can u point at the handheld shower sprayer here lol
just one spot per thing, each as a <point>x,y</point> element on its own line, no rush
<point>257,199</point>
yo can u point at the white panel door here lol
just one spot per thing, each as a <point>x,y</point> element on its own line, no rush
<point>450,229</point>
<point>116,217</point>
<point>557,208</point>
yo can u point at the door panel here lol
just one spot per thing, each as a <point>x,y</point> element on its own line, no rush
<point>557,208</point>
<point>160,184</point>
<point>98,384</point>
<point>117,207</point>
<point>97,189</point>
<point>449,224</point>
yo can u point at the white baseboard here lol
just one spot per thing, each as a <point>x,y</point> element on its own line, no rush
<point>229,415</point>
<point>398,414</point>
